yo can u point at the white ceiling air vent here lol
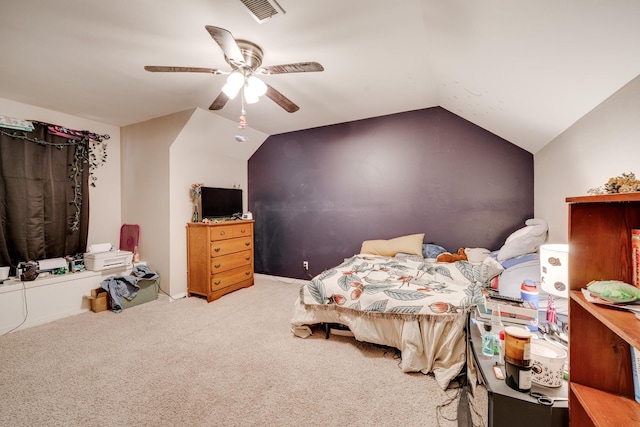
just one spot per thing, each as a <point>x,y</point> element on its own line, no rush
<point>263,9</point>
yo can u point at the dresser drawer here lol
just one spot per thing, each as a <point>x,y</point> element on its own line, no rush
<point>230,231</point>
<point>242,230</point>
<point>227,262</point>
<point>224,247</point>
<point>231,277</point>
<point>221,232</point>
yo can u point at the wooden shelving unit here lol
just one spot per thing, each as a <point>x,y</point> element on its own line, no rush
<point>601,391</point>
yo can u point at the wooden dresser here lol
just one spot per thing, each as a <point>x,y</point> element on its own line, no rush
<point>219,258</point>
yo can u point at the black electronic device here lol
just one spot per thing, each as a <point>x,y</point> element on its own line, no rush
<point>506,298</point>
<point>221,202</point>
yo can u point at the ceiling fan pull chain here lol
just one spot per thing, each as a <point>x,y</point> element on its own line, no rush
<point>243,120</point>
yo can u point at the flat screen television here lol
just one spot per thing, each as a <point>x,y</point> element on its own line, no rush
<point>221,202</point>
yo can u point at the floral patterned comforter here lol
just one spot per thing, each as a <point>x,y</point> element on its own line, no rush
<point>405,287</point>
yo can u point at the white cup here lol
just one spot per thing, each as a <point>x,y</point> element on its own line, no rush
<point>4,273</point>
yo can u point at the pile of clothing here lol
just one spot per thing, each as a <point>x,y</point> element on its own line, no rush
<point>126,286</point>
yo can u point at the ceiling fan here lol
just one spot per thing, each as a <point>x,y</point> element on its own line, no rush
<point>245,59</point>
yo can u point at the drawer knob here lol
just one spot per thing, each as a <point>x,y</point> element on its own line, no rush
<point>217,266</point>
<point>247,258</point>
<point>246,273</point>
<point>222,233</point>
<point>216,249</point>
<point>242,230</point>
<point>217,282</point>
<point>247,243</point>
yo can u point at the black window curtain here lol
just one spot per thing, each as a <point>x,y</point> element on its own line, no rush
<point>44,211</point>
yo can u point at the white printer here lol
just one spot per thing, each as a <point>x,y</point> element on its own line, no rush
<point>103,257</point>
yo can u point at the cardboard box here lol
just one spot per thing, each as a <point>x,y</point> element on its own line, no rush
<point>99,300</point>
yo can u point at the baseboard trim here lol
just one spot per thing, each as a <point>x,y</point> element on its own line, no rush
<point>281,279</point>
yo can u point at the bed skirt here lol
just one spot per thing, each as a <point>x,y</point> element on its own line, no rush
<point>428,344</point>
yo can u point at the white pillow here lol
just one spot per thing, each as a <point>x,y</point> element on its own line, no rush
<point>525,240</point>
<point>476,255</point>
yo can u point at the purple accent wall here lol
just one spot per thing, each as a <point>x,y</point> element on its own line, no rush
<point>317,194</point>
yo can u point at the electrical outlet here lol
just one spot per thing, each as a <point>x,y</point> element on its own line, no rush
<point>305,265</point>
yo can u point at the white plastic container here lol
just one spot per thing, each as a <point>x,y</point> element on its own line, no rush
<point>547,363</point>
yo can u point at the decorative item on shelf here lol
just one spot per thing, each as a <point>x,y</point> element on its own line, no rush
<point>195,192</point>
<point>625,183</point>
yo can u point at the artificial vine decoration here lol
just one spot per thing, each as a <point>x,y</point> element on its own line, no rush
<point>90,150</point>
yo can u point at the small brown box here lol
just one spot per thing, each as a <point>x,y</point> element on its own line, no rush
<point>98,300</point>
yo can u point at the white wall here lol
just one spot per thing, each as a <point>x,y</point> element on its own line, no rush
<point>603,144</point>
<point>104,199</point>
<point>161,158</point>
<point>145,186</point>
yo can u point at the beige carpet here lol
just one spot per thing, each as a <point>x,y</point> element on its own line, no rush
<point>232,362</point>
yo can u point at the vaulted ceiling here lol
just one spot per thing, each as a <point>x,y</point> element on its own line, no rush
<point>525,70</point>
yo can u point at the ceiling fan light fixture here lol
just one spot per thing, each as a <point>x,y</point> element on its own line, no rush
<point>233,85</point>
<point>256,86</point>
<point>230,91</point>
<point>250,97</point>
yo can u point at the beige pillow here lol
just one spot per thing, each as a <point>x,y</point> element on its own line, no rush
<point>411,244</point>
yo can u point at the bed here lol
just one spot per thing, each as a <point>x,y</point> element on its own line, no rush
<point>394,293</point>
<point>414,304</point>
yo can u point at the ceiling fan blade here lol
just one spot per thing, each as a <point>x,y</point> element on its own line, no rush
<point>162,68</point>
<point>281,100</point>
<point>227,43</point>
<point>219,102</point>
<point>298,67</point>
